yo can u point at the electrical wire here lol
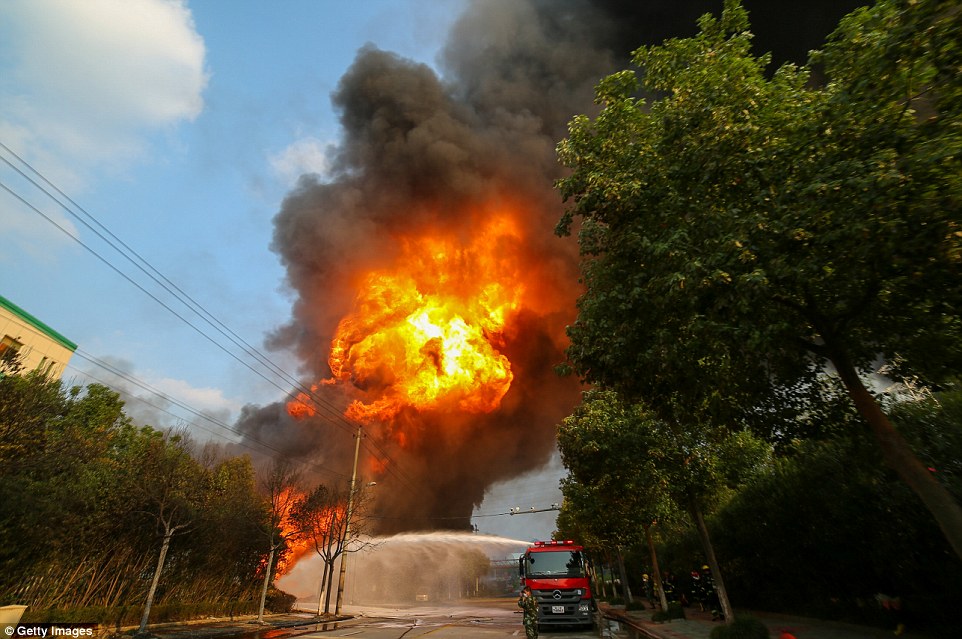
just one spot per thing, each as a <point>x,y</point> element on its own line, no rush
<point>245,442</point>
<point>323,408</point>
<point>145,267</point>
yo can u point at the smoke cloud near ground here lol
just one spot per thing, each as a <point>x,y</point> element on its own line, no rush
<point>422,151</point>
<point>399,569</point>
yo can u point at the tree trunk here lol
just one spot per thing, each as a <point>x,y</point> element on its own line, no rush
<point>615,590</point>
<point>726,607</point>
<point>656,570</point>
<point>626,588</point>
<point>269,572</point>
<point>599,576</point>
<point>900,456</point>
<point>153,584</point>
<point>347,522</point>
<point>340,583</point>
<point>596,589</point>
<point>320,591</point>
<point>330,586</point>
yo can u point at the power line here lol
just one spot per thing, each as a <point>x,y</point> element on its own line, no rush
<point>323,408</point>
<point>533,510</point>
<point>137,285</point>
<point>246,437</point>
<point>145,267</point>
<point>150,389</point>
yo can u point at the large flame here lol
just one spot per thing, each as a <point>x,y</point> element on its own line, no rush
<point>428,333</point>
<point>295,543</point>
<point>300,542</point>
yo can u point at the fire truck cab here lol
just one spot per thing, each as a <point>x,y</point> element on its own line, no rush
<point>557,573</point>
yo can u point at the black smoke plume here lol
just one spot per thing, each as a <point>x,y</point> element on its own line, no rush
<point>422,149</point>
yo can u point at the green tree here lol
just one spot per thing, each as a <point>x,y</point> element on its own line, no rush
<point>171,490</point>
<point>615,481</point>
<point>27,403</point>
<point>635,462</point>
<point>11,362</point>
<point>743,232</point>
<point>83,494</point>
<point>703,466</point>
<point>58,508</point>
<point>856,529</point>
<point>578,516</point>
<point>600,521</point>
<point>225,549</point>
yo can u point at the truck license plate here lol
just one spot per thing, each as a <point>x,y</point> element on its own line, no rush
<point>558,610</point>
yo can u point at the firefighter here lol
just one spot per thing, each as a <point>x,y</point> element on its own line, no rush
<point>529,606</point>
<point>648,585</point>
<point>697,590</point>
<point>710,595</point>
<point>668,583</point>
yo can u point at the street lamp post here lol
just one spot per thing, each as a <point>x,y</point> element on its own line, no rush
<point>517,511</point>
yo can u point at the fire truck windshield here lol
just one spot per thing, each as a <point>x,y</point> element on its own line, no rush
<point>554,564</point>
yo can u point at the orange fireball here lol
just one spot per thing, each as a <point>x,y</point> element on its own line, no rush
<point>428,333</point>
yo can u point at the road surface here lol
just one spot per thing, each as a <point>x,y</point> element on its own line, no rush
<point>468,619</point>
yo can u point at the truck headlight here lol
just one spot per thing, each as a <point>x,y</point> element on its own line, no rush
<point>584,607</point>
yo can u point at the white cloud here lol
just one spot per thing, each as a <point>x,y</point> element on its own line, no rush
<point>85,80</point>
<point>209,402</point>
<point>205,400</point>
<point>307,155</point>
<point>158,401</point>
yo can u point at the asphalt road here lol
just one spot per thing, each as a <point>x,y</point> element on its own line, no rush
<point>470,619</point>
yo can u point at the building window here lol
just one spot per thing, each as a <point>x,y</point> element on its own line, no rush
<point>45,366</point>
<point>9,343</point>
<point>9,349</point>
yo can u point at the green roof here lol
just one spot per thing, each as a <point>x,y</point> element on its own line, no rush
<point>33,321</point>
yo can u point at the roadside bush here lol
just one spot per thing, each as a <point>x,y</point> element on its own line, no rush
<point>118,616</point>
<point>279,601</point>
<point>742,628</point>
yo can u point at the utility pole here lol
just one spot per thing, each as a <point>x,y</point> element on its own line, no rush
<point>347,524</point>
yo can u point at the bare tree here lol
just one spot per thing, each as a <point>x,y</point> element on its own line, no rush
<point>321,519</point>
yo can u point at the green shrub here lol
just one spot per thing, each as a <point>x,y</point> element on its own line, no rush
<point>279,601</point>
<point>742,628</point>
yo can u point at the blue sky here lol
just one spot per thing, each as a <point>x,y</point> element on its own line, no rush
<point>180,126</point>
<point>188,171</point>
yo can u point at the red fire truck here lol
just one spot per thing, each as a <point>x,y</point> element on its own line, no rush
<point>557,573</point>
